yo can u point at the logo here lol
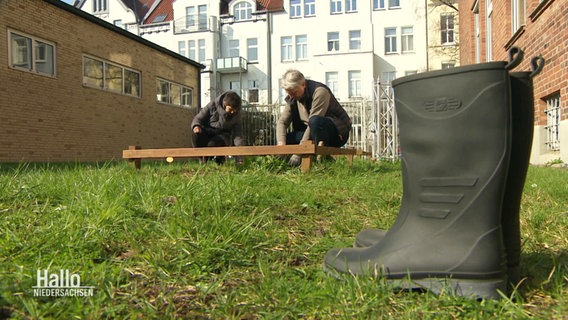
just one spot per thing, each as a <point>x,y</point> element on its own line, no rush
<point>62,284</point>
<point>442,104</point>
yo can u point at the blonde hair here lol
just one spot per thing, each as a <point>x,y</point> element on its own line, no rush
<point>292,79</point>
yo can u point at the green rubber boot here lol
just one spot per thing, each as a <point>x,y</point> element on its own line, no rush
<point>455,151</point>
<point>521,141</point>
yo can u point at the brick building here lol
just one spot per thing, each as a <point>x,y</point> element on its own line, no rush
<point>76,88</point>
<point>489,28</point>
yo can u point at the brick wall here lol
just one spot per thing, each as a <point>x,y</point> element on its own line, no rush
<point>545,34</point>
<point>57,118</point>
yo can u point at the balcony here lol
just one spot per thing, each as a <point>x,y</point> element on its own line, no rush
<point>194,23</point>
<point>232,65</point>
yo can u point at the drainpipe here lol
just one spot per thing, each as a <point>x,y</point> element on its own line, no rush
<point>427,46</point>
<point>269,58</point>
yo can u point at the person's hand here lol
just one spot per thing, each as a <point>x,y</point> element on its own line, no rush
<point>197,129</point>
<point>295,160</point>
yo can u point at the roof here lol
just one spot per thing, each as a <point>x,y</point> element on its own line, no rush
<point>89,17</point>
<point>261,5</point>
<point>162,11</point>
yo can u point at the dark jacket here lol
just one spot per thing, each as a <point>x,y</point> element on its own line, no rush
<point>214,120</point>
<point>317,100</point>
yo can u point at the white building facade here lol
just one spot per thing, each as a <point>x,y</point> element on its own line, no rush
<point>247,45</point>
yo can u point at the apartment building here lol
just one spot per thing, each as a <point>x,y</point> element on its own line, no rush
<point>247,45</point>
<point>76,88</point>
<point>489,28</point>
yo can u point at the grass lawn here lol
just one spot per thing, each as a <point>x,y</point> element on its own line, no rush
<point>186,240</point>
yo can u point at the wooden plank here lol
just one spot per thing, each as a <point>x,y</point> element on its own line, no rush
<point>218,151</point>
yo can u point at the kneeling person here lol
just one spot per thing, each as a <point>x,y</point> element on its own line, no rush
<point>219,122</point>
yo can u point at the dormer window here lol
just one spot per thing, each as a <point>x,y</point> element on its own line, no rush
<point>242,11</point>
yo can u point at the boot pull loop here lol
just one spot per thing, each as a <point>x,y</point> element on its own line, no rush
<point>537,63</point>
<point>515,57</point>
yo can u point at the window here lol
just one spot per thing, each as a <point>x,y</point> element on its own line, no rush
<point>333,41</point>
<point>336,6</point>
<point>477,32</point>
<point>118,23</point>
<point>235,86</point>
<point>448,65</point>
<point>189,17</point>
<point>354,83</point>
<point>201,44</point>
<point>394,4</point>
<point>390,40</point>
<point>379,4</point>
<point>407,37</point>
<point>181,48</point>
<point>388,76</point>
<point>159,18</point>
<point>253,91</point>
<point>309,8</point>
<point>295,8</point>
<point>111,77</point>
<point>447,28</point>
<point>302,47</point>
<point>99,6</point>
<point>332,81</point>
<point>202,17</point>
<point>252,49</point>
<point>191,49</point>
<point>286,45</point>
<point>489,30</point>
<point>517,14</point>
<point>350,5</point>
<point>243,11</point>
<point>32,54</point>
<point>173,93</point>
<point>234,48</point>
<point>552,122</point>
<point>355,40</point>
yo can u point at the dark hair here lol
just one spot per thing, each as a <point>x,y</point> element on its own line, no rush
<point>233,99</point>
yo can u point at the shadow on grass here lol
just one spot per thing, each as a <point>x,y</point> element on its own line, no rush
<point>543,271</point>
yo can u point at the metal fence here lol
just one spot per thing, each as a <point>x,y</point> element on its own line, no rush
<point>375,128</point>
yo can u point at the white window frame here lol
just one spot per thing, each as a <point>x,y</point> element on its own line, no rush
<point>332,81</point>
<point>234,48</point>
<point>301,47</point>
<point>191,49</point>
<point>37,56</point>
<point>447,28</point>
<point>333,41</point>
<point>295,9</point>
<point>309,8</point>
<point>355,40</point>
<point>336,6</point>
<point>201,48</point>
<point>350,6</point>
<point>394,4</point>
<point>286,49</point>
<point>242,11</point>
<point>407,39</point>
<point>391,41</point>
<point>354,78</point>
<point>181,48</point>
<point>252,49</point>
<point>518,14</point>
<point>553,113</point>
<point>379,4</point>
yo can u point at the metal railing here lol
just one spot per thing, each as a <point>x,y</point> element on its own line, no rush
<point>552,123</point>
<point>375,127</point>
